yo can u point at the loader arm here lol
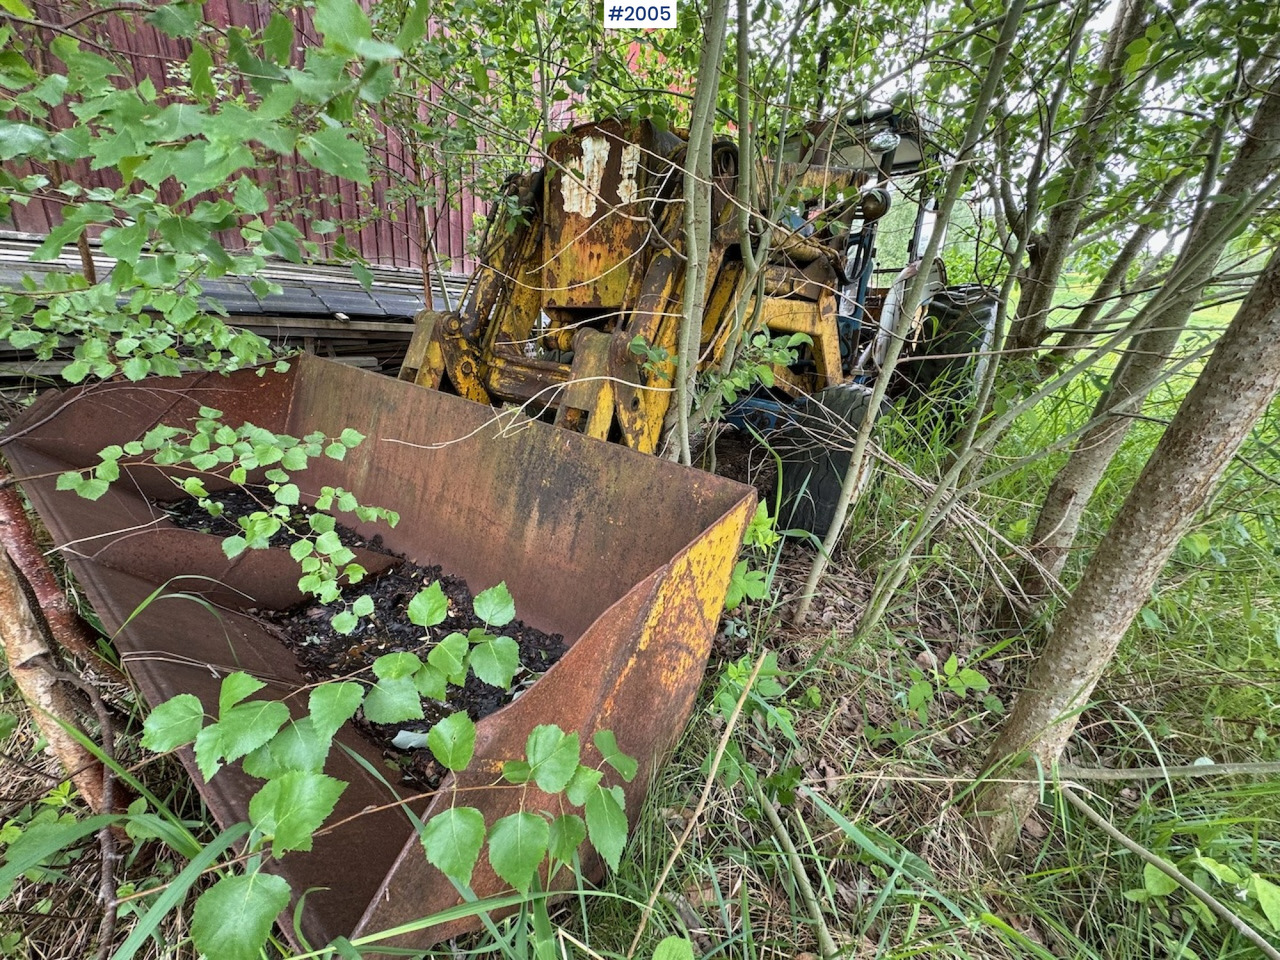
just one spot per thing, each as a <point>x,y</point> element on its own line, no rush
<point>577,304</point>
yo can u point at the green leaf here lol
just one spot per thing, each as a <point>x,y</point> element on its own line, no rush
<point>344,622</point>
<point>517,771</point>
<point>249,725</point>
<point>363,274</point>
<point>295,458</point>
<point>744,583</point>
<point>565,836</point>
<point>1268,896</point>
<point>93,489</point>
<point>363,605</point>
<point>584,781</point>
<point>234,546</point>
<point>1198,544</point>
<point>124,243</point>
<point>233,917</point>
<point>393,701</point>
<point>288,494</point>
<point>334,152</point>
<point>9,723</point>
<point>607,823</point>
<point>200,63</point>
<point>495,606</point>
<point>393,666</point>
<point>281,240</point>
<point>1223,872</point>
<point>208,750</point>
<point>178,18</point>
<point>329,542</point>
<point>495,661</point>
<point>452,840</point>
<point>277,39</point>
<point>1157,882</point>
<point>607,744</point>
<point>673,948</point>
<point>449,656</point>
<point>22,139</point>
<point>298,746</point>
<point>202,858</point>
<point>291,808</point>
<point>176,721</point>
<point>239,731</point>
<point>429,607</point>
<point>342,23</point>
<point>414,26</point>
<point>431,682</point>
<point>17,8</point>
<point>235,688</point>
<point>376,50</point>
<point>135,368</point>
<point>184,234</point>
<point>333,704</point>
<point>517,846</point>
<point>351,438</point>
<point>553,756</point>
<point>452,741</point>
<point>480,76</point>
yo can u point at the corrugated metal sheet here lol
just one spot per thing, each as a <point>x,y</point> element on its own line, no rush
<point>320,309</point>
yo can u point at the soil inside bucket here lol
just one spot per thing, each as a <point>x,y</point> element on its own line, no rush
<point>324,654</point>
<point>237,502</point>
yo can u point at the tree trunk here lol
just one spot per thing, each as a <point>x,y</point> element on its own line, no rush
<point>1235,388</point>
<point>1030,325</point>
<point>66,626</point>
<point>697,218</point>
<point>1158,327</point>
<point>32,667</point>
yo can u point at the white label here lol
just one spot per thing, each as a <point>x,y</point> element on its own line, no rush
<point>639,16</point>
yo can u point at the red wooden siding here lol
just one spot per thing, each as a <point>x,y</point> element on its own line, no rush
<point>386,231</point>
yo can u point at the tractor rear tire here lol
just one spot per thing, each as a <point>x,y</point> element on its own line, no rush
<point>943,363</point>
<point>815,447</point>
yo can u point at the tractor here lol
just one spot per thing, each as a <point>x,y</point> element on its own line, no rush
<point>575,309</point>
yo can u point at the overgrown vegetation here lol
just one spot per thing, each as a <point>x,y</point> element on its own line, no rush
<point>828,798</point>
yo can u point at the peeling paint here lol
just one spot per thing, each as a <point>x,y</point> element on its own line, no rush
<point>581,196</point>
<point>629,189</point>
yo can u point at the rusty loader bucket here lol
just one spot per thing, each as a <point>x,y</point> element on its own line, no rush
<point>626,555</point>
